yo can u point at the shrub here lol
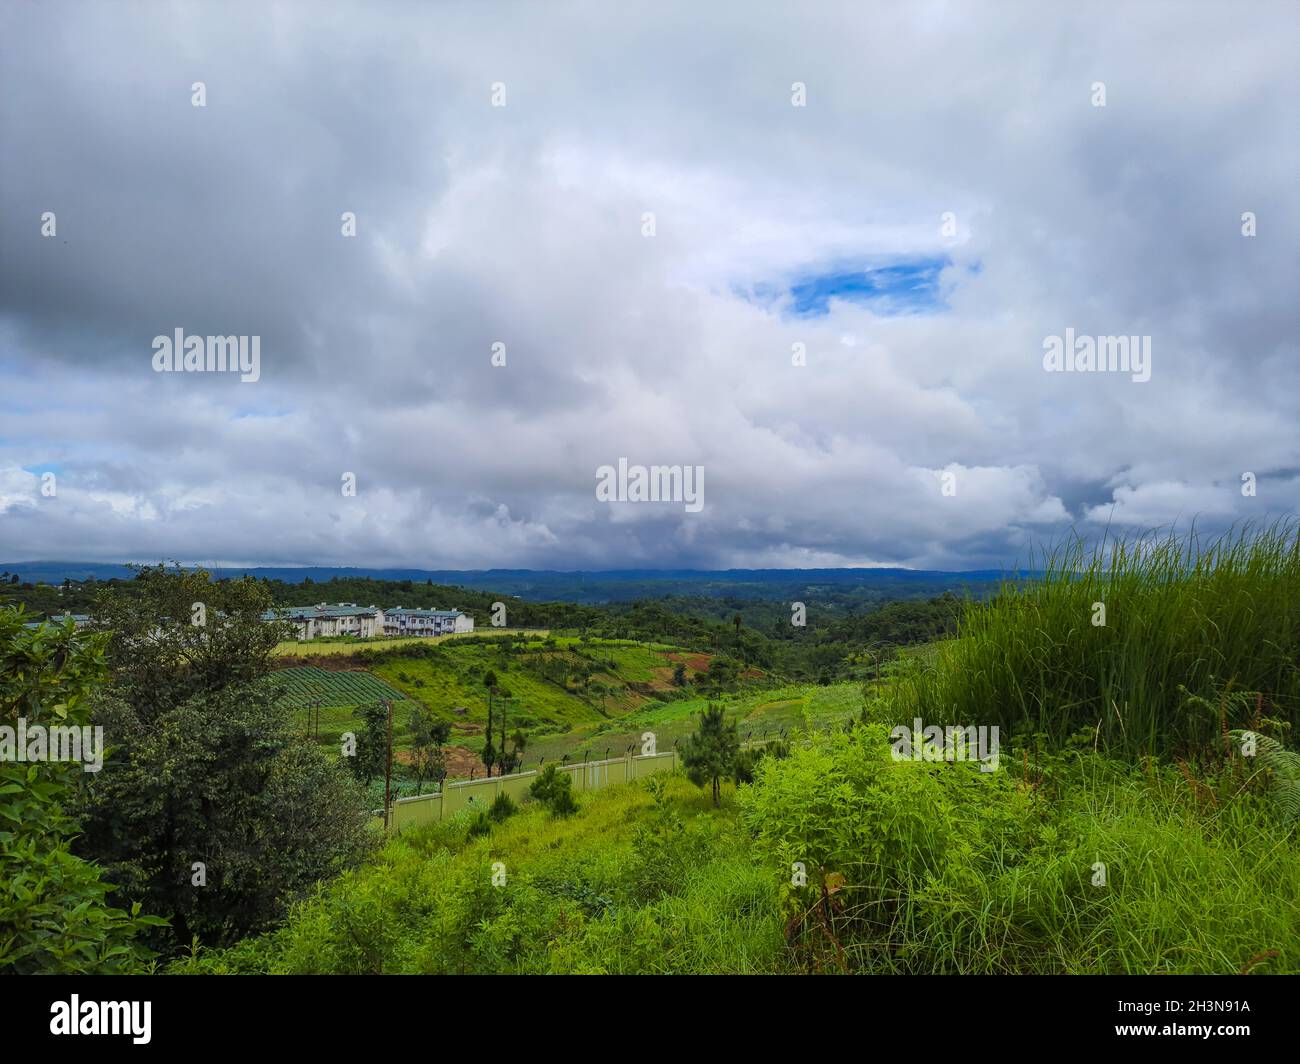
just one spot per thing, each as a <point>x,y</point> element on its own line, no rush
<point>502,808</point>
<point>554,789</point>
<point>746,761</point>
<point>1283,767</point>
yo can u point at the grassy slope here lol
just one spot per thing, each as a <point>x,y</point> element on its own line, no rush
<point>943,869</point>
<point>636,883</point>
<point>631,884</point>
<point>757,714</point>
<point>537,702</point>
<point>561,718</point>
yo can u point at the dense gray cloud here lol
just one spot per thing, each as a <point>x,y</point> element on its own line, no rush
<point>523,224</point>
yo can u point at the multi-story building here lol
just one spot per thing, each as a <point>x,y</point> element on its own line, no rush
<point>366,622</point>
<point>324,620</point>
<point>402,621</point>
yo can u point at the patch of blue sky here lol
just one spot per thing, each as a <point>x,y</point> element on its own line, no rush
<point>900,288</point>
<point>897,288</point>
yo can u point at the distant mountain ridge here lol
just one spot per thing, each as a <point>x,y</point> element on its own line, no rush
<point>589,586</point>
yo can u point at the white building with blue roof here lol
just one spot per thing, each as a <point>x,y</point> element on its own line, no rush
<point>325,620</point>
<point>402,621</point>
<point>366,622</point>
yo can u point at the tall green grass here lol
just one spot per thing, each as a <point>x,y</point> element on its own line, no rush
<point>1180,612</point>
<point>1086,865</point>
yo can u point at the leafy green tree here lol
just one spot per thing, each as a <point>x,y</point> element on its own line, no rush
<point>709,754</point>
<point>371,754</point>
<point>679,675</point>
<point>210,807</point>
<point>554,789</point>
<point>55,914</point>
<point>428,736</point>
<point>161,657</point>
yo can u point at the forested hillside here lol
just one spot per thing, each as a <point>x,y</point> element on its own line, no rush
<point>840,637</point>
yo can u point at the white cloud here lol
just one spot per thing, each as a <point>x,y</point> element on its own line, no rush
<point>523,224</point>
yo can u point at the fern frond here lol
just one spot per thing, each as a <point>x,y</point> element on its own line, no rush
<point>1284,767</point>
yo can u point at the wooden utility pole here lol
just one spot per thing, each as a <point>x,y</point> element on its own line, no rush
<point>388,766</point>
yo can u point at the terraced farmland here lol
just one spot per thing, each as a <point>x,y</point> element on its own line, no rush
<point>308,683</point>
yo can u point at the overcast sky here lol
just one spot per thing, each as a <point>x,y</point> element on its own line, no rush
<point>949,196</point>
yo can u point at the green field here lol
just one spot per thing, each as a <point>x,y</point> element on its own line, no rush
<point>338,694</point>
<point>308,684</point>
<point>758,715</point>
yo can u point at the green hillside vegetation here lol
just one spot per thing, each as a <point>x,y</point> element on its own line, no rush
<point>911,867</point>
<point>647,879</point>
<point>1143,815</point>
<point>846,632</point>
<point>545,685</point>
<point>1150,841</point>
<point>573,698</point>
<point>760,715</point>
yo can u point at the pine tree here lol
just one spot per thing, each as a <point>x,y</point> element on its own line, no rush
<point>710,753</point>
